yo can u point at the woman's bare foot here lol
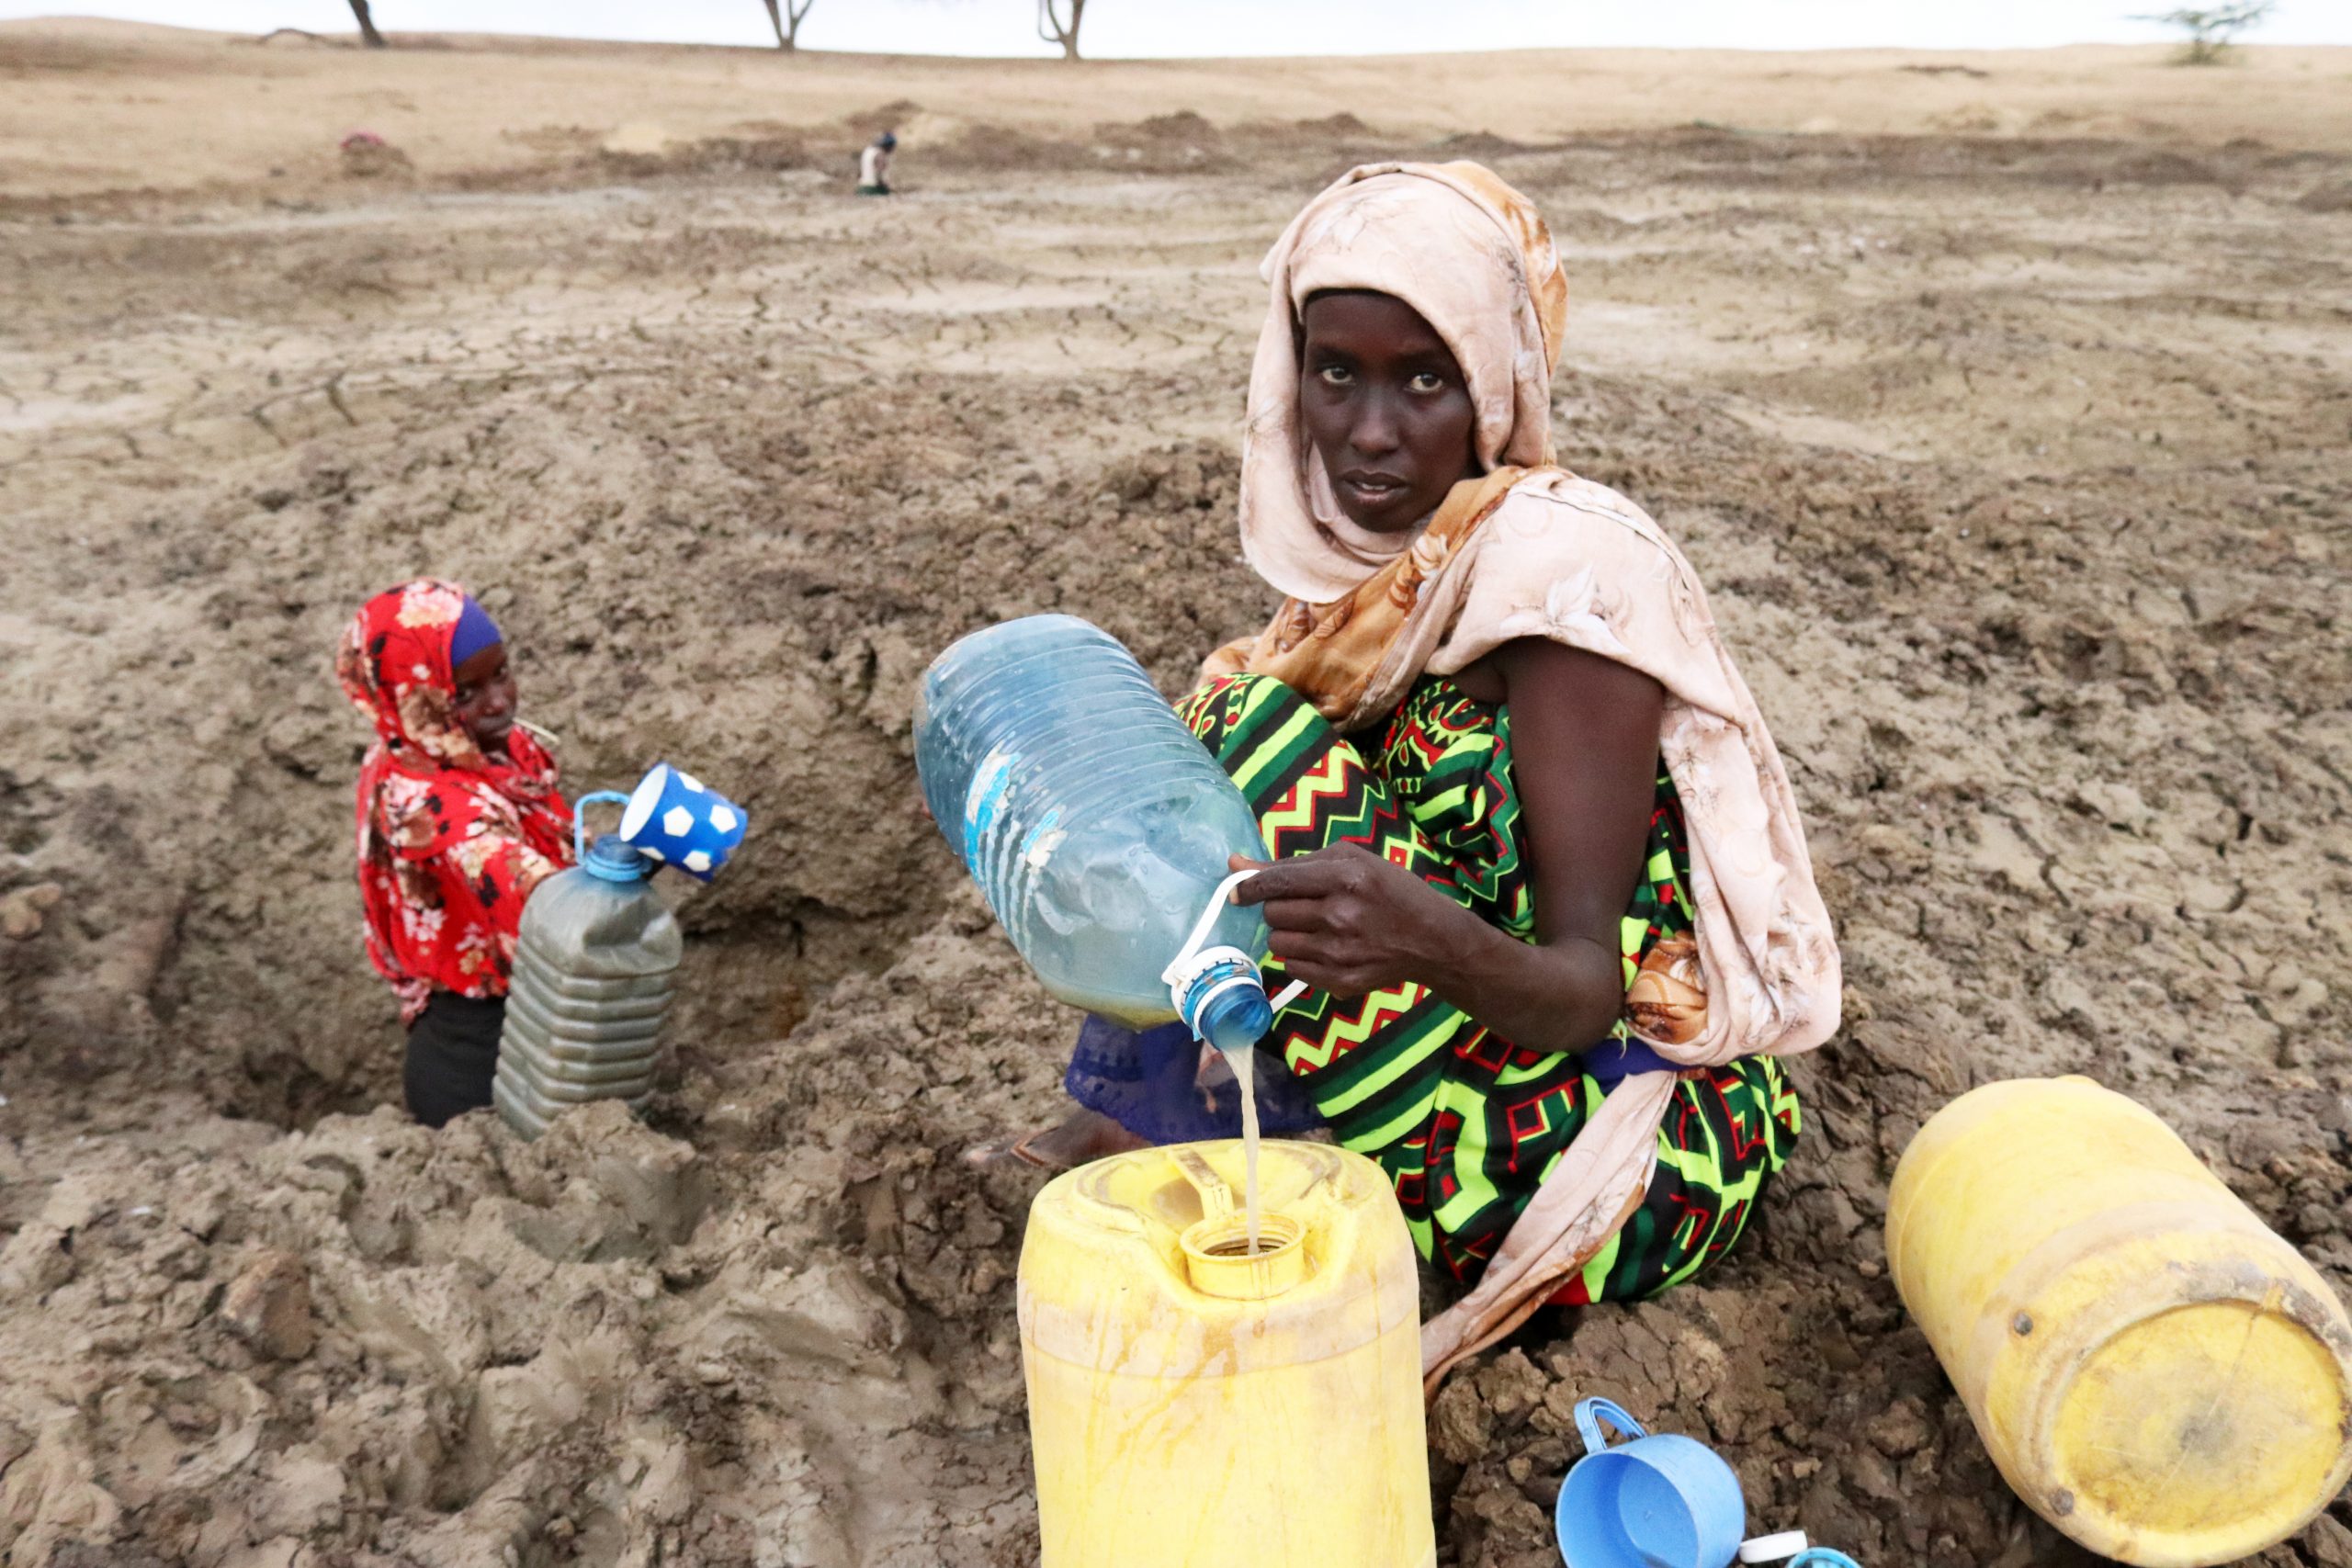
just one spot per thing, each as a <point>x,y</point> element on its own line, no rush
<point>1082,1136</point>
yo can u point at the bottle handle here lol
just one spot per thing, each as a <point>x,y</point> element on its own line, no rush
<point>1216,906</point>
<point>1181,966</point>
<point>1592,1412</point>
<point>580,818</point>
<point>1216,1198</point>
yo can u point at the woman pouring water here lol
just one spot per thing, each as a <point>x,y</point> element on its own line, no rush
<point>1535,851</point>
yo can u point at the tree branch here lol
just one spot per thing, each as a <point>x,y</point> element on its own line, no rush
<point>1047,15</point>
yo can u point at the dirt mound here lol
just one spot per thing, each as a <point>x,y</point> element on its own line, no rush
<point>766,152</point>
<point>1183,126</point>
<point>1480,146</point>
<point>867,124</point>
<point>611,1345</point>
<point>1334,125</point>
<point>1168,143</point>
<point>367,157</point>
<point>2333,197</point>
<point>982,146</point>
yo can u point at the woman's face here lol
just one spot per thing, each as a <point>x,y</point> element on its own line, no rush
<point>486,696</point>
<point>1385,406</point>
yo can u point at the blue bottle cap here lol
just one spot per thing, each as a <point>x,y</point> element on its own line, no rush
<point>611,858</point>
<point>1228,1015</point>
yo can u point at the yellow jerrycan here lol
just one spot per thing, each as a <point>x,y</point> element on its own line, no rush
<point>1191,1406</point>
<point>2156,1373</point>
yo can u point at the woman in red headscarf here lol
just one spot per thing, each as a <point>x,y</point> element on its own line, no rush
<point>458,819</point>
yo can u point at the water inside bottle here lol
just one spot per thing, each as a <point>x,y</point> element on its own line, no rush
<point>1244,1062</point>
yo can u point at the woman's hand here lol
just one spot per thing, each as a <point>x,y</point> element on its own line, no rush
<point>1584,734</point>
<point>1347,921</point>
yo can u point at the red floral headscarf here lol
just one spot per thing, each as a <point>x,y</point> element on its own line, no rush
<point>451,839</point>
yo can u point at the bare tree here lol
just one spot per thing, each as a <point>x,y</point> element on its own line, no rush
<point>2213,30</point>
<point>1051,27</point>
<point>786,19</point>
<point>367,33</point>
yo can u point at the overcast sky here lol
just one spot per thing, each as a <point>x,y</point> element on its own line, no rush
<point>1258,26</point>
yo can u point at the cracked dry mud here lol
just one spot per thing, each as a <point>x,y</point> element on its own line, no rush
<point>2017,468</point>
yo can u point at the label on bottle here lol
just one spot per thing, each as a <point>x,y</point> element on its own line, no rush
<point>984,803</point>
<point>1043,840</point>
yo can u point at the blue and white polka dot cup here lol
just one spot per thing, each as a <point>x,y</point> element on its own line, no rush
<point>675,818</point>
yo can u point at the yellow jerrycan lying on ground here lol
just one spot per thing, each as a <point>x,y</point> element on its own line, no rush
<point>2156,1373</point>
<point>1191,1406</point>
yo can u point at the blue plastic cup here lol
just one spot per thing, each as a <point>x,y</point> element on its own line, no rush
<point>1821,1557</point>
<point>677,819</point>
<point>1656,1502</point>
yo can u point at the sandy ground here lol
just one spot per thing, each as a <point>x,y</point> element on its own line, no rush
<point>2016,463</point>
<point>87,106</point>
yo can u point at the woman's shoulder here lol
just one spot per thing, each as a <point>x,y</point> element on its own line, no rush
<point>1556,499</point>
<point>1558,517</point>
<point>1562,550</point>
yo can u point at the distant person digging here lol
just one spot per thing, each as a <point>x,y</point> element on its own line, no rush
<point>874,165</point>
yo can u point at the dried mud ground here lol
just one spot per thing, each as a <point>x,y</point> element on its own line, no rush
<point>2017,468</point>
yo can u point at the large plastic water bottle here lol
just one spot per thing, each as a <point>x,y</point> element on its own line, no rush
<point>594,961</point>
<point>1096,825</point>
<point>596,951</point>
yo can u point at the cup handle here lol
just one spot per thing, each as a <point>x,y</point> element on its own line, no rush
<point>580,819</point>
<point>1592,1412</point>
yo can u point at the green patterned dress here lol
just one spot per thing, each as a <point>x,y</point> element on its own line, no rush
<point>1465,1124</point>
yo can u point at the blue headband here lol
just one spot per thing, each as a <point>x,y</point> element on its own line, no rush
<point>475,632</point>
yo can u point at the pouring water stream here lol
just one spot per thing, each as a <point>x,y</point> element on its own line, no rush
<point>1244,1062</point>
<point>1243,1058</point>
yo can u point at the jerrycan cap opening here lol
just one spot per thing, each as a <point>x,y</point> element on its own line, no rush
<point>1217,1259</point>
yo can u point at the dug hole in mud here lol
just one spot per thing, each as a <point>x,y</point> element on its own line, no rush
<point>2064,709</point>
